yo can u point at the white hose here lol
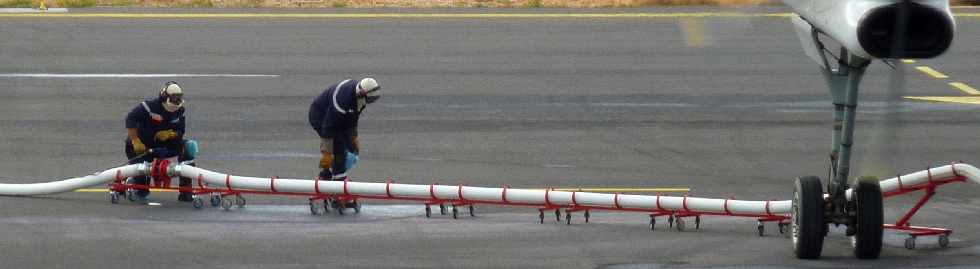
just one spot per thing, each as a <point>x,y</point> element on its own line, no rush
<point>531,197</point>
<point>72,184</point>
<point>551,198</point>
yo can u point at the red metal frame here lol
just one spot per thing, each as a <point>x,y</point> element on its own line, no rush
<point>930,189</point>
<point>160,179</point>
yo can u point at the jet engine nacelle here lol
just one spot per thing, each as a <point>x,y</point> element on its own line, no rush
<point>881,28</point>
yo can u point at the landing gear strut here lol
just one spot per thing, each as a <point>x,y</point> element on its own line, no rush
<point>862,213</point>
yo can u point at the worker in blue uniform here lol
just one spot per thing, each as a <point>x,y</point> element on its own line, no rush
<point>334,115</point>
<point>158,124</point>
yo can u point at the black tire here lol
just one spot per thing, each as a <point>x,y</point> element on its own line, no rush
<point>314,208</point>
<point>215,200</point>
<point>808,218</point>
<point>943,240</point>
<point>867,241</point>
<point>198,203</point>
<point>240,201</point>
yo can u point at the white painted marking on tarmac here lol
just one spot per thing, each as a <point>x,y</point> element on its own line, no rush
<point>641,104</point>
<point>425,159</point>
<point>548,165</point>
<point>275,155</point>
<point>50,75</point>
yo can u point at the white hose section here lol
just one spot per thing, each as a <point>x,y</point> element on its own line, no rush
<point>480,194</point>
<point>942,173</point>
<point>72,184</point>
<point>555,198</point>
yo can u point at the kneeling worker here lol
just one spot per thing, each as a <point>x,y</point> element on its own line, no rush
<point>159,124</point>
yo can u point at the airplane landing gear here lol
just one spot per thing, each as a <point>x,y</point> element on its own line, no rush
<point>868,218</point>
<point>808,224</point>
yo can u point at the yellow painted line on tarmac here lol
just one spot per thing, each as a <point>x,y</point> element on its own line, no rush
<point>395,15</point>
<point>972,100</point>
<point>693,32</point>
<point>964,88</point>
<point>908,61</point>
<point>106,190</point>
<point>931,72</point>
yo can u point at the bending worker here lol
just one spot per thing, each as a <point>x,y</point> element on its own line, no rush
<point>158,124</point>
<point>333,115</point>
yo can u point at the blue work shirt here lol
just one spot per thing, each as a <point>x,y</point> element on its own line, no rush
<point>334,112</point>
<point>146,127</point>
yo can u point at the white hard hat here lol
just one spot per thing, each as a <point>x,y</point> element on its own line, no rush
<point>369,89</point>
<point>172,96</point>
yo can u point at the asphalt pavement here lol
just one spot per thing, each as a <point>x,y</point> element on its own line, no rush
<point>722,105</point>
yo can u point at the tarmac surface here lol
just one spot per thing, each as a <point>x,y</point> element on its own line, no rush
<point>724,105</point>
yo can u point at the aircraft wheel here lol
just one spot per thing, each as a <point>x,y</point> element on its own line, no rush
<point>867,243</point>
<point>943,240</point>
<point>910,242</point>
<point>808,218</point>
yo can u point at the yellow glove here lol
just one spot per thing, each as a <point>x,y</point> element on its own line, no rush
<point>165,135</point>
<point>326,161</point>
<point>138,146</point>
